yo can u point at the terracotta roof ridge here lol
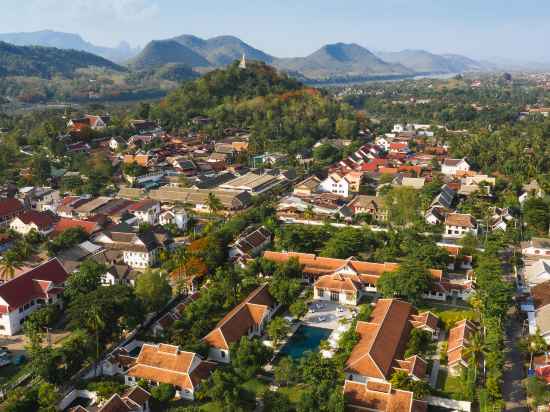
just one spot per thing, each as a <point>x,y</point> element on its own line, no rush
<point>144,365</point>
<point>32,270</point>
<point>240,306</point>
<point>377,333</point>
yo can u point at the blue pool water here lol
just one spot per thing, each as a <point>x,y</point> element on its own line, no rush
<point>306,338</point>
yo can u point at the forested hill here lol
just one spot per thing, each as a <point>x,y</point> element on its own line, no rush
<point>229,85</point>
<point>46,62</point>
<point>280,112</point>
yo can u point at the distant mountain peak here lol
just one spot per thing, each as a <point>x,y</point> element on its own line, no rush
<point>68,41</point>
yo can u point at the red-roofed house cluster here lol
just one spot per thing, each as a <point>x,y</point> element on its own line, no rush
<point>380,352</point>
<point>24,294</point>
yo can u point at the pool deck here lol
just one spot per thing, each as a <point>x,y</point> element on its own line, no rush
<point>336,321</point>
<point>333,319</point>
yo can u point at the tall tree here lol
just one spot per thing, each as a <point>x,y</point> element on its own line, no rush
<point>153,289</point>
<point>410,281</point>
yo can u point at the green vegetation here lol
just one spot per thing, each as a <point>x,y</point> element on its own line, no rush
<point>47,61</point>
<point>274,107</point>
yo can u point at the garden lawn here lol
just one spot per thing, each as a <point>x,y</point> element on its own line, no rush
<point>293,392</point>
<point>257,386</point>
<point>449,386</point>
<point>449,315</point>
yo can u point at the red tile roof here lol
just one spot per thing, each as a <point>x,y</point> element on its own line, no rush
<point>317,265</point>
<point>461,220</point>
<point>250,312</point>
<point>458,341</point>
<point>67,223</point>
<point>42,220</point>
<point>362,397</point>
<point>9,207</point>
<point>382,342</point>
<point>34,284</point>
<point>167,364</point>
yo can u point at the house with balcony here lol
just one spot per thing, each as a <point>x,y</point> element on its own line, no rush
<point>29,291</point>
<point>146,211</point>
<point>140,249</point>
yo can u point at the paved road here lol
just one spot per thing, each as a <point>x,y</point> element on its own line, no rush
<point>513,390</point>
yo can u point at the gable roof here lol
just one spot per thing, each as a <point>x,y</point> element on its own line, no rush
<point>317,265</point>
<point>541,294</point>
<point>537,243</point>
<point>34,283</point>
<point>459,219</point>
<point>252,240</point>
<point>382,342</point>
<point>41,219</point>
<point>380,398</point>
<point>538,271</point>
<point>453,162</point>
<point>458,341</point>
<point>250,312</point>
<point>9,206</point>
<point>366,201</point>
<point>167,364</point>
<point>66,223</point>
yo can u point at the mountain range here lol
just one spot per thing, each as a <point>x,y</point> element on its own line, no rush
<point>332,62</point>
<point>60,40</point>
<point>45,62</point>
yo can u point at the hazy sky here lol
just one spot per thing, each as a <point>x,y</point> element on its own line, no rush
<point>478,28</point>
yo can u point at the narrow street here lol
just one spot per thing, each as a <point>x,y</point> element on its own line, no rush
<point>513,390</point>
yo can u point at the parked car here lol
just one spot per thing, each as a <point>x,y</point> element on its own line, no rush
<point>5,359</point>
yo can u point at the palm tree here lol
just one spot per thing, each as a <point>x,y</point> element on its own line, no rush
<point>213,203</point>
<point>8,266</point>
<point>308,213</point>
<point>535,344</point>
<point>475,349</point>
<point>95,323</point>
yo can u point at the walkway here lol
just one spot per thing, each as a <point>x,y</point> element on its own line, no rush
<point>513,389</point>
<point>436,367</point>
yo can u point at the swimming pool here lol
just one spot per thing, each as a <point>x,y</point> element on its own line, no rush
<point>306,338</point>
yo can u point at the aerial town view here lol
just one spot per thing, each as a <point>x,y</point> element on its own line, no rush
<point>305,206</point>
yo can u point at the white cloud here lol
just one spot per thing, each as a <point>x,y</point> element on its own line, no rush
<point>99,11</point>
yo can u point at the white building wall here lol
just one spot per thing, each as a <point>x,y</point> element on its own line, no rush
<point>11,322</point>
<point>219,355</point>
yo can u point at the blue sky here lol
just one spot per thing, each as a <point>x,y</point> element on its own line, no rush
<point>478,28</point>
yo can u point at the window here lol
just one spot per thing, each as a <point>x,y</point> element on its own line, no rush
<point>321,292</point>
<point>223,354</point>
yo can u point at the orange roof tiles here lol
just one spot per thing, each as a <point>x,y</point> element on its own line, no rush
<point>359,396</point>
<point>382,342</point>
<point>317,265</point>
<point>66,223</point>
<point>250,312</point>
<point>459,219</point>
<point>167,364</point>
<point>458,340</point>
